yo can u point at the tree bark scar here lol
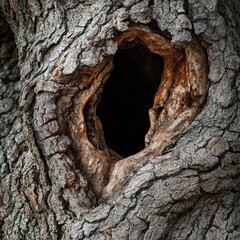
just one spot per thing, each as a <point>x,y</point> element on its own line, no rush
<point>182,74</point>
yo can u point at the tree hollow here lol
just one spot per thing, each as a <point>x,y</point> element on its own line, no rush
<point>133,105</point>
<point>127,97</point>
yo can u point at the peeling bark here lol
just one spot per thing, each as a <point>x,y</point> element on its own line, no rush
<point>60,180</point>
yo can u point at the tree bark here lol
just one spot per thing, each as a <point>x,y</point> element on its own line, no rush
<point>59,178</point>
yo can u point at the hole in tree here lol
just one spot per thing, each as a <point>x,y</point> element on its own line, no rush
<point>127,96</point>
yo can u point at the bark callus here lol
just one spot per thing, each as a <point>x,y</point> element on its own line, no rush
<point>146,94</point>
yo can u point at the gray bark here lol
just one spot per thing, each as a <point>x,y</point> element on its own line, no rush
<point>187,190</point>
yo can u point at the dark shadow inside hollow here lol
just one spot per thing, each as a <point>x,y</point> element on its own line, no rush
<point>127,96</point>
<point>9,71</point>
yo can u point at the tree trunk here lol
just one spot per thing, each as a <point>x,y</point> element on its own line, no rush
<point>76,77</point>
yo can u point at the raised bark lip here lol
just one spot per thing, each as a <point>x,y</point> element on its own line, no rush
<point>180,97</point>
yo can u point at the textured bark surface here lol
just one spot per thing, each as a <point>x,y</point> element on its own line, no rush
<point>59,179</point>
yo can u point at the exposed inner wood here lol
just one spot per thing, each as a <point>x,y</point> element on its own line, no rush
<point>178,100</point>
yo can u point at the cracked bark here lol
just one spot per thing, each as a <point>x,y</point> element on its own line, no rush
<point>60,180</point>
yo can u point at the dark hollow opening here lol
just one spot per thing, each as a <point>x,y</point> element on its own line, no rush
<point>127,96</point>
